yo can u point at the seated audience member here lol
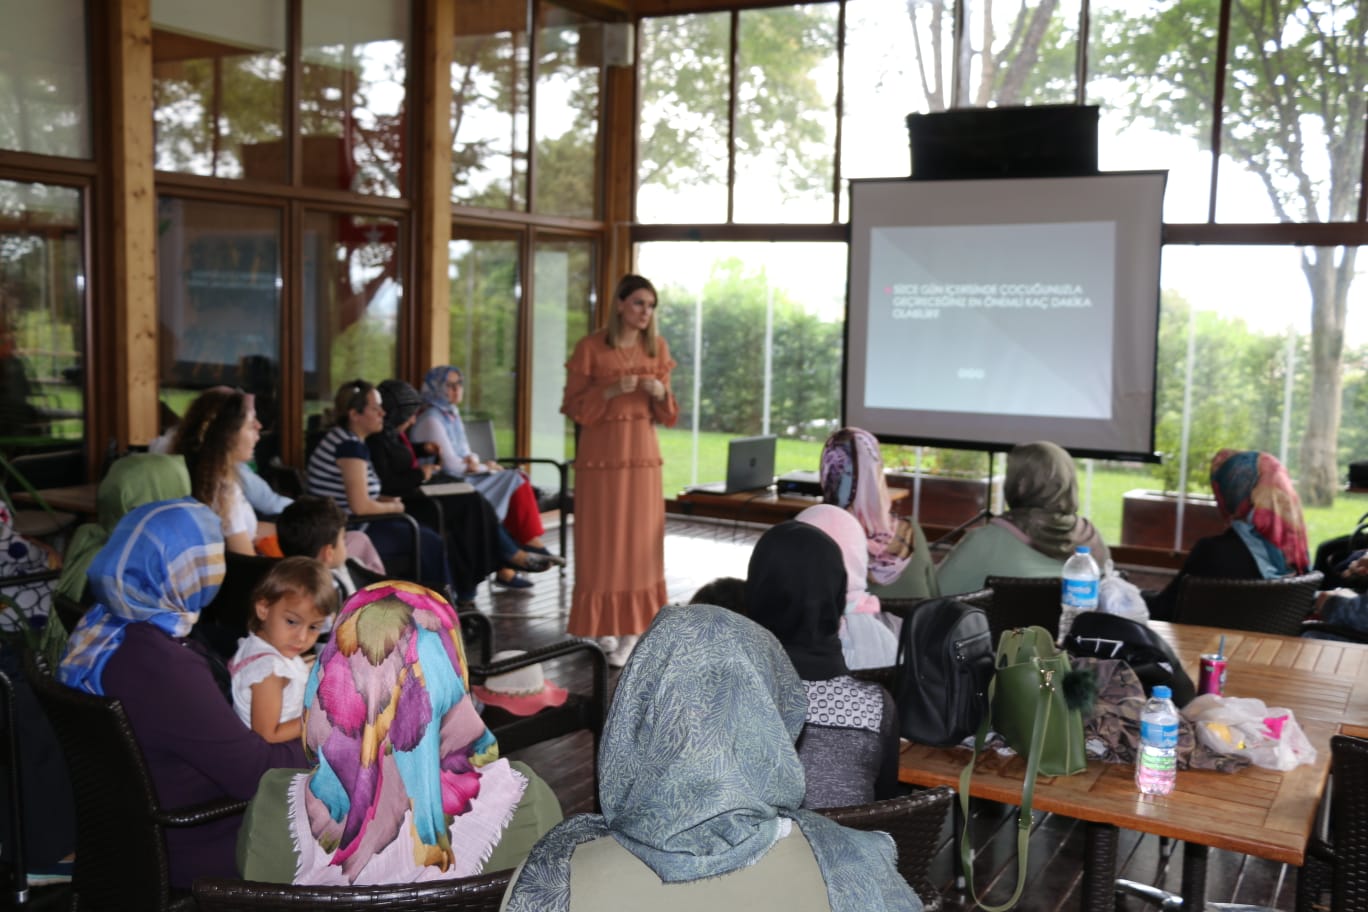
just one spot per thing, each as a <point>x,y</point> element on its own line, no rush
<point>162,564</point>
<point>701,809</point>
<point>266,502</point>
<point>852,478</point>
<point>340,468</point>
<point>133,480</point>
<point>219,431</point>
<point>509,491</point>
<point>290,608</point>
<point>407,784</point>
<point>796,589</point>
<point>314,526</point>
<point>725,591</point>
<point>22,556</point>
<point>867,634</point>
<point>476,544</point>
<point>1036,535</point>
<point>1267,534</point>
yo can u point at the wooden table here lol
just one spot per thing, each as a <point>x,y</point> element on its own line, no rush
<point>79,499</point>
<point>765,506</point>
<point>1254,811</point>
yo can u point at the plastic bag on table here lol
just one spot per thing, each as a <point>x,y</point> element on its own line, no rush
<point>1269,736</point>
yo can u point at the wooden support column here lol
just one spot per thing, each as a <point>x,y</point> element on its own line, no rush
<point>125,318</point>
<point>436,34</point>
<point>619,180</point>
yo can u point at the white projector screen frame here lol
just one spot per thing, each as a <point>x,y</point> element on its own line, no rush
<point>986,313</point>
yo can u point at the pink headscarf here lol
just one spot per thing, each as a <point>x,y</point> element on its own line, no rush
<point>852,478</point>
<point>846,532</point>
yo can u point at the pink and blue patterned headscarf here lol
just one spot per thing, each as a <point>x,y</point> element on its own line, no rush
<point>852,479</point>
<point>408,784</point>
<point>1255,494</point>
<point>163,563</point>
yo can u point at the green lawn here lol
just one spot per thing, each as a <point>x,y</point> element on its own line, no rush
<point>1109,483</point>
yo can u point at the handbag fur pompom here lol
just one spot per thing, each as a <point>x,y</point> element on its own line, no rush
<point>1080,689</point>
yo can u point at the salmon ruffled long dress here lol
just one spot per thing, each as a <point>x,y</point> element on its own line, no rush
<point>619,503</point>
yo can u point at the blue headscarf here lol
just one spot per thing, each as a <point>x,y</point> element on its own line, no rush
<point>435,399</point>
<point>163,563</point>
<point>698,765</point>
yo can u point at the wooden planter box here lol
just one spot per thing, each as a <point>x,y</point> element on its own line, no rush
<point>1148,519</point>
<point>946,501</point>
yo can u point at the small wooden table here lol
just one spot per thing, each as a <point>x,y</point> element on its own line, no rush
<point>78,499</point>
<point>765,506</point>
<point>1254,811</point>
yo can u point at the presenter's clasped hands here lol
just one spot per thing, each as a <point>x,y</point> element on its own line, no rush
<point>631,382</point>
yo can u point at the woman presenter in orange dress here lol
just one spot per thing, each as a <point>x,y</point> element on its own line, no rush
<point>617,389</point>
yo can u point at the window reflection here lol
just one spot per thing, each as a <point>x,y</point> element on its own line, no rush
<point>353,104</point>
<point>42,316</point>
<point>352,307</point>
<point>219,89</point>
<point>490,70</point>
<point>568,73</point>
<point>44,89</point>
<point>218,301</point>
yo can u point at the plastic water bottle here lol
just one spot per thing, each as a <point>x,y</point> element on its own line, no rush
<point>1079,590</point>
<point>1156,765</point>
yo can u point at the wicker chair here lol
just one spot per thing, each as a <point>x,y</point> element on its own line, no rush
<point>121,858</point>
<point>481,893</point>
<point>915,822</point>
<point>1341,866</point>
<point>1275,606</point>
<point>1021,602</point>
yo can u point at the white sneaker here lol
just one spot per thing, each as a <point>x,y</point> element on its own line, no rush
<point>608,644</point>
<point>618,657</point>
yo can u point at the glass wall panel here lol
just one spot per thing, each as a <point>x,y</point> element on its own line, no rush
<point>486,285</point>
<point>1019,53</point>
<point>42,316</point>
<point>44,84</point>
<point>353,95</point>
<point>218,87</point>
<point>757,331</point>
<point>1294,112</point>
<point>352,305</point>
<point>219,286</point>
<point>563,277</point>
<point>490,71</point>
<point>786,114</point>
<point>682,147</point>
<point>569,77</point>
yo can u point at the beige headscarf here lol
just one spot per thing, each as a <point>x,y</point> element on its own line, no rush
<point>1042,501</point>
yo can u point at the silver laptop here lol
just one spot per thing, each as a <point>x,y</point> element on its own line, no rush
<point>750,466</point>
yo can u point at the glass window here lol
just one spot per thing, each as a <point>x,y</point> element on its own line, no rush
<point>42,315</point>
<point>1019,54</point>
<point>352,308</point>
<point>563,276</point>
<point>44,86</point>
<point>218,301</point>
<point>757,331</point>
<point>486,283</point>
<point>569,79</point>
<point>490,70</point>
<point>353,95</point>
<point>218,87</point>
<point>682,147</point>
<point>786,114</point>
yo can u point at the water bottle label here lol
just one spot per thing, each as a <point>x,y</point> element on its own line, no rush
<point>1080,593</point>
<point>1160,734</point>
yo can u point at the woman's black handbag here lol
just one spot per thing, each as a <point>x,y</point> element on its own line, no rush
<point>1098,635</point>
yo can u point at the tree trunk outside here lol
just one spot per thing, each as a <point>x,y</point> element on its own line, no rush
<point>1329,283</point>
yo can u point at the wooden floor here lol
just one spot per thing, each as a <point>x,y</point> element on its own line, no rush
<point>697,551</point>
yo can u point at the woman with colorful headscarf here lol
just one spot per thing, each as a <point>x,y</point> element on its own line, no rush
<point>701,794</point>
<point>407,784</point>
<point>852,478</point>
<point>1267,534</point>
<point>1037,534</point>
<point>868,636</point>
<point>163,563</point>
<point>508,491</point>
<point>796,588</point>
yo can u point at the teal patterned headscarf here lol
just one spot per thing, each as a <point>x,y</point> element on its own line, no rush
<point>697,765</point>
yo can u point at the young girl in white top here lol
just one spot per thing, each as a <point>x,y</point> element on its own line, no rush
<point>290,608</point>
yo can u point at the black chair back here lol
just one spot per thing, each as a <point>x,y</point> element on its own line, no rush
<point>481,893</point>
<point>1021,602</point>
<point>1265,606</point>
<point>223,621</point>
<point>916,822</point>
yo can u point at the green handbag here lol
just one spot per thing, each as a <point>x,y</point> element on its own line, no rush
<point>1029,708</point>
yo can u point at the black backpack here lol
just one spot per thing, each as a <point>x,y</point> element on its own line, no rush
<point>1099,635</point>
<point>945,661</point>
